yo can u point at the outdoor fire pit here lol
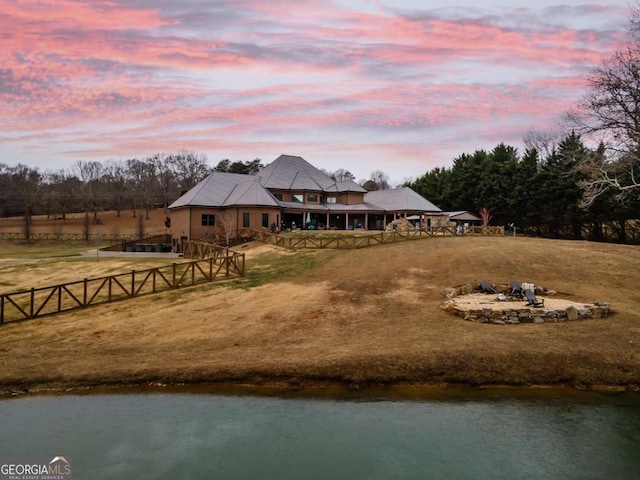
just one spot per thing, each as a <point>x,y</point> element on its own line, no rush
<point>502,308</point>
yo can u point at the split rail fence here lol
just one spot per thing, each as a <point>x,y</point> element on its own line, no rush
<point>38,302</point>
<point>319,241</point>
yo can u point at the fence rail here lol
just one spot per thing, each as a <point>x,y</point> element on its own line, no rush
<point>319,240</point>
<point>38,302</point>
<point>479,230</point>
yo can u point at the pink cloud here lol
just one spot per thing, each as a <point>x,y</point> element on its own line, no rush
<point>120,78</point>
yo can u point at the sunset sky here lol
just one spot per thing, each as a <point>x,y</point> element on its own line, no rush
<point>399,86</point>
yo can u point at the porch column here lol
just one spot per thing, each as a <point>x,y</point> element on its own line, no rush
<point>346,220</point>
<point>366,221</point>
<point>326,224</point>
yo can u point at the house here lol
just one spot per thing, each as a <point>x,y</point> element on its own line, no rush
<point>288,193</point>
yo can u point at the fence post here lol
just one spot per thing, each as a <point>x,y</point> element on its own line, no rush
<point>31,301</point>
<point>173,282</point>
<point>133,283</point>
<point>84,295</point>
<point>211,269</point>
<point>2,309</point>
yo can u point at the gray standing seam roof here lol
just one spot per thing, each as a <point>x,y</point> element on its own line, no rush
<point>400,199</point>
<point>225,189</point>
<point>294,173</point>
<point>284,170</point>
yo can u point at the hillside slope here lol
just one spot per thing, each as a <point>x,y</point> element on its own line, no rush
<point>369,316</point>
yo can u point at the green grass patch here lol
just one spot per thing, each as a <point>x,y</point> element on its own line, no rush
<point>269,267</point>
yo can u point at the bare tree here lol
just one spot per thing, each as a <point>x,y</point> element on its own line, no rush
<point>144,182</point>
<point>600,176</point>
<point>166,177</point>
<point>381,180</point>
<point>227,220</point>
<point>26,183</point>
<point>115,180</point>
<point>189,168</point>
<point>610,113</point>
<point>65,187</point>
<point>90,174</point>
<point>342,175</point>
<point>544,142</point>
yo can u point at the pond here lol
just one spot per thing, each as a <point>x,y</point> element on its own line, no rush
<point>204,435</point>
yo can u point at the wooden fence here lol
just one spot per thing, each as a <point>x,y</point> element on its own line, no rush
<point>490,231</point>
<point>38,302</point>
<point>320,239</point>
<point>193,249</point>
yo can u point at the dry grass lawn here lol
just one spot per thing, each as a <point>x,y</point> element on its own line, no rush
<point>355,317</point>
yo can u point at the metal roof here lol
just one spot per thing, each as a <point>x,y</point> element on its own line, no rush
<point>400,200</point>
<point>288,172</point>
<point>225,189</point>
<point>296,174</point>
<point>463,215</point>
<point>346,186</point>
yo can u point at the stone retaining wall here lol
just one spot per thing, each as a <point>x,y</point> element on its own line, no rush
<point>529,315</point>
<point>511,316</point>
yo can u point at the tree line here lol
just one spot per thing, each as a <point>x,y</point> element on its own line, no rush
<point>541,194</point>
<point>91,186</point>
<point>136,185</point>
<point>558,187</point>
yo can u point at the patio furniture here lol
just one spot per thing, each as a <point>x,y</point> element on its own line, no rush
<point>486,288</point>
<point>532,301</point>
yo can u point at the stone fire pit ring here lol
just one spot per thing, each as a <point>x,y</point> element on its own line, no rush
<point>501,308</point>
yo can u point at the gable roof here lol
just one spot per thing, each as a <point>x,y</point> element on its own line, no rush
<point>402,199</point>
<point>463,215</point>
<point>346,186</point>
<point>225,189</point>
<point>288,172</point>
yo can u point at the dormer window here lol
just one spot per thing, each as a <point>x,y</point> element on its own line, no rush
<point>332,200</point>
<point>297,198</point>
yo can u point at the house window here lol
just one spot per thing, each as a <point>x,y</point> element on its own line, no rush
<point>265,220</point>
<point>331,200</point>
<point>246,220</point>
<point>278,196</point>
<point>208,220</point>
<point>312,198</point>
<point>297,198</point>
